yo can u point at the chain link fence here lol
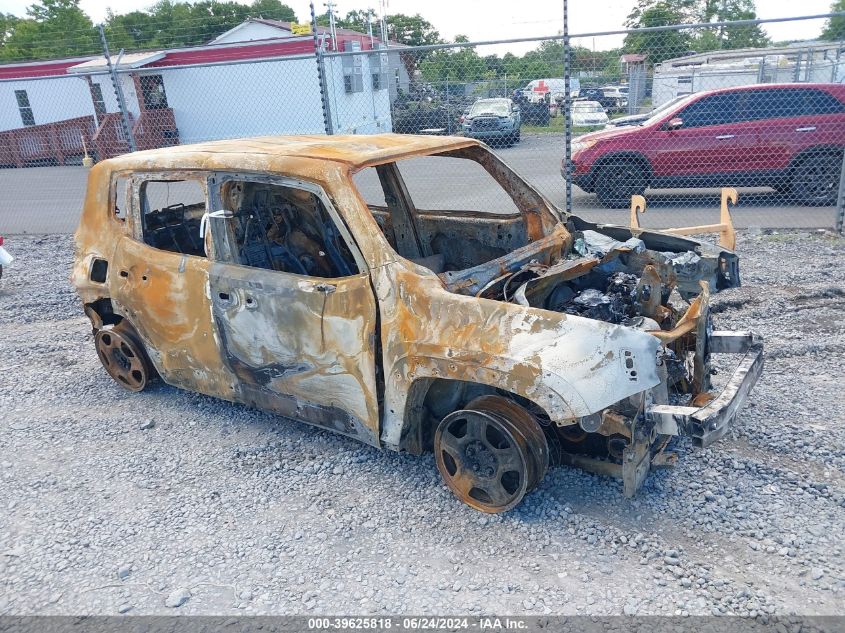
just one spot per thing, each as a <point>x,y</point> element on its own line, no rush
<point>674,113</point>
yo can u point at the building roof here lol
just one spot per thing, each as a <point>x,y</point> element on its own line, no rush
<point>263,151</point>
<point>26,70</point>
<point>633,58</point>
<point>207,54</point>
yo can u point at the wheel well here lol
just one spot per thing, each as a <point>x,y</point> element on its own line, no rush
<point>102,313</point>
<point>432,399</point>
<point>624,156</point>
<point>814,152</point>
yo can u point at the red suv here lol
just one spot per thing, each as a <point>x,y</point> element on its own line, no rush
<point>786,136</point>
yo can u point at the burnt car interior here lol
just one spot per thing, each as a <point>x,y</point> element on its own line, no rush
<point>286,229</point>
<point>171,211</point>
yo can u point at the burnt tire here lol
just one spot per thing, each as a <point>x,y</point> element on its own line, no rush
<point>617,181</point>
<point>815,180</point>
<point>123,356</point>
<point>491,453</point>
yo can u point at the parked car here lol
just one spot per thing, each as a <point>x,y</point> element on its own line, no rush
<point>253,270</point>
<point>5,257</point>
<point>637,119</point>
<point>786,136</point>
<point>497,121</point>
<point>615,98</point>
<point>588,114</point>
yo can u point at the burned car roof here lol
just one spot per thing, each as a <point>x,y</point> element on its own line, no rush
<point>271,151</point>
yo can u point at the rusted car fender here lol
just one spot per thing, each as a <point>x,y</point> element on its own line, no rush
<point>568,365</point>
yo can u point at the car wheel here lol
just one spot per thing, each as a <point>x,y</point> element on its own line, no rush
<point>123,356</point>
<point>815,181</point>
<point>491,453</point>
<point>617,182</point>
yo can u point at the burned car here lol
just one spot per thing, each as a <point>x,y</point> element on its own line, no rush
<point>254,270</point>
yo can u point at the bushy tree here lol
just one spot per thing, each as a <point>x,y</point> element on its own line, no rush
<point>664,45</point>
<point>52,28</point>
<point>834,29</point>
<point>660,45</point>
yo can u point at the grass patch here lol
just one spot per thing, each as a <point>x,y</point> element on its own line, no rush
<point>556,127</point>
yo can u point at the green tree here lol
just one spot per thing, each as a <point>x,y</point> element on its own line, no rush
<point>834,29</point>
<point>271,10</point>
<point>660,45</point>
<point>169,23</point>
<point>460,64</point>
<point>730,37</point>
<point>7,27</point>
<point>53,28</point>
<point>667,44</point>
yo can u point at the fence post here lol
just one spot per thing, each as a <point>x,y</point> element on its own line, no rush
<point>567,108</point>
<point>840,201</point>
<point>321,75</point>
<point>118,91</point>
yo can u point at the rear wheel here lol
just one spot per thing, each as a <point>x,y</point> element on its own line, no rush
<point>815,180</point>
<point>491,453</point>
<point>616,182</point>
<point>124,357</point>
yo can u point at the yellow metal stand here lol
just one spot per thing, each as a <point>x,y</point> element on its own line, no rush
<point>725,228</point>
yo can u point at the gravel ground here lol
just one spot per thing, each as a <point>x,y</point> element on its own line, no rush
<point>168,501</point>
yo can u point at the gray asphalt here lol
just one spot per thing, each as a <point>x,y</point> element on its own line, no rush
<point>49,199</point>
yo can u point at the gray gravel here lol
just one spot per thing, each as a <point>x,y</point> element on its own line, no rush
<point>168,501</point>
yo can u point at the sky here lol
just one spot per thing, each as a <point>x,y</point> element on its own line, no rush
<point>506,19</point>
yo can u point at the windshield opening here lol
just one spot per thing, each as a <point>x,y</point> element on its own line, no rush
<point>454,210</point>
<point>498,108</point>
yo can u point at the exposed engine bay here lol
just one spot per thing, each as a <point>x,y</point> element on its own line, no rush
<point>651,282</point>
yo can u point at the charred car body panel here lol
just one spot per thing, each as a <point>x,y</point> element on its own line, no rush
<point>279,287</point>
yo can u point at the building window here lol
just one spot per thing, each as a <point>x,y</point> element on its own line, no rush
<point>24,107</point>
<point>152,89</point>
<point>97,98</point>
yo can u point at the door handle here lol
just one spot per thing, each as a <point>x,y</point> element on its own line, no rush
<point>324,288</point>
<point>811,128</point>
<point>724,137</point>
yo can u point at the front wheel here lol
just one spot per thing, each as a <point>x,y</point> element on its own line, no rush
<point>617,182</point>
<point>491,453</point>
<point>815,181</point>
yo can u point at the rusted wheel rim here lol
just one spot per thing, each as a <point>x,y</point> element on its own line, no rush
<point>526,429</point>
<point>481,460</point>
<point>122,358</point>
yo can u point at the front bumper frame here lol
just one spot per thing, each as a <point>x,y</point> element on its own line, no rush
<point>709,423</point>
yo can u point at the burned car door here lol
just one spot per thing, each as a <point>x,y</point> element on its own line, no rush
<point>162,279</point>
<point>292,304</point>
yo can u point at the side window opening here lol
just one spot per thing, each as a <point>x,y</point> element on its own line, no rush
<point>120,198</point>
<point>171,212</point>
<point>282,228</point>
